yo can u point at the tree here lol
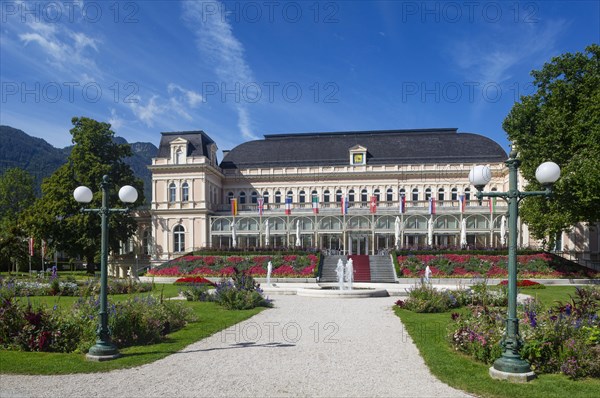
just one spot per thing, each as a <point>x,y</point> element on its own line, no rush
<point>561,122</point>
<point>16,196</point>
<point>56,216</point>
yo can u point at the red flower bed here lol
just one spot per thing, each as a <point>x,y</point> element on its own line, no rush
<point>257,270</point>
<point>523,283</point>
<point>194,280</point>
<point>171,271</point>
<point>202,271</point>
<point>284,270</point>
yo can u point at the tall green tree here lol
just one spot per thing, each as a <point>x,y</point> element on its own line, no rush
<point>16,196</point>
<point>561,122</point>
<point>56,216</point>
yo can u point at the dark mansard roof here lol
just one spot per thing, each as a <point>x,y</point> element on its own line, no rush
<point>198,143</point>
<point>384,147</point>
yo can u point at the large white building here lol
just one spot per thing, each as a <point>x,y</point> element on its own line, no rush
<point>192,193</point>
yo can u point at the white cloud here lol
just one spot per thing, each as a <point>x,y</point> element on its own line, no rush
<point>147,113</point>
<point>115,121</point>
<point>190,97</point>
<point>68,51</point>
<point>218,44</point>
<point>491,55</point>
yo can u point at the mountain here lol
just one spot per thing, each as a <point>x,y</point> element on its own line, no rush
<point>40,159</point>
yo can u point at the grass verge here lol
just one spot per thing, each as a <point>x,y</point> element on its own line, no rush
<point>211,319</point>
<point>428,331</point>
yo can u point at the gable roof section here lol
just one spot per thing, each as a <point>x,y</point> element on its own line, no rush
<point>198,143</point>
<point>384,147</point>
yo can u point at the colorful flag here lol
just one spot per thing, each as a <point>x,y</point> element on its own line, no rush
<point>431,206</point>
<point>31,244</point>
<point>373,205</point>
<point>288,205</point>
<point>402,203</point>
<point>261,206</point>
<point>234,207</point>
<point>344,205</point>
<point>461,202</point>
<point>492,204</point>
<point>315,204</point>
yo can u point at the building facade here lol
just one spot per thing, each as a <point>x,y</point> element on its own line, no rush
<point>343,192</point>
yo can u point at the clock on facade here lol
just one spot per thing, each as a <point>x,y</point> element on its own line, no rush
<point>358,158</point>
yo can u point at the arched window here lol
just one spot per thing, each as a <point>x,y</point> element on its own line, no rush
<point>229,197</point>
<point>467,195</point>
<point>338,195</point>
<point>185,192</point>
<point>326,196</point>
<point>178,239</point>
<point>278,197</point>
<point>178,156</point>
<point>314,194</point>
<point>389,195</point>
<point>172,192</point>
<point>254,197</point>
<point>290,195</point>
<point>454,193</point>
<point>428,194</point>
<point>351,196</point>
<point>301,196</point>
<point>363,196</point>
<point>242,197</point>
<point>415,194</point>
<point>266,197</point>
<point>402,192</point>
<point>377,194</point>
<point>441,194</point>
<point>146,242</point>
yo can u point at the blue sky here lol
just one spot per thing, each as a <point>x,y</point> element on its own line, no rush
<point>238,70</point>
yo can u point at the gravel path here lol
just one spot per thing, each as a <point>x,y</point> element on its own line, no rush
<point>302,347</point>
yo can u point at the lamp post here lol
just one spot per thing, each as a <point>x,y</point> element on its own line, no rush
<point>510,366</point>
<point>104,349</point>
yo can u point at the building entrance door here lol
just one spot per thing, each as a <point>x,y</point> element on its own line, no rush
<point>358,244</point>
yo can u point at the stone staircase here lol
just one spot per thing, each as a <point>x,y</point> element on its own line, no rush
<point>329,263</point>
<point>377,269</point>
<point>382,269</point>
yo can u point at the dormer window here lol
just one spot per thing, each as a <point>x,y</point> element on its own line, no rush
<point>179,151</point>
<point>358,155</point>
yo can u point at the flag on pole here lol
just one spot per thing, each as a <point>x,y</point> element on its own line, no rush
<point>31,244</point>
<point>461,202</point>
<point>431,206</point>
<point>261,206</point>
<point>492,204</point>
<point>344,205</point>
<point>402,203</point>
<point>315,204</point>
<point>234,207</point>
<point>288,205</point>
<point>373,205</point>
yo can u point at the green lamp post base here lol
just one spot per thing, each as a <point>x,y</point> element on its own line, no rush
<point>512,369</point>
<point>102,351</point>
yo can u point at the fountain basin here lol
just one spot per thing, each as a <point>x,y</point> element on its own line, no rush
<point>333,292</point>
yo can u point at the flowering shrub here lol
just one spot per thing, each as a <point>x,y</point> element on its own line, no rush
<point>283,265</point>
<point>423,297</point>
<point>471,265</point>
<point>23,288</point>
<point>564,339</point>
<point>241,293</point>
<point>141,320</point>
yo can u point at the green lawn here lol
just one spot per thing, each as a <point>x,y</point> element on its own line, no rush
<point>428,331</point>
<point>551,294</point>
<point>211,319</point>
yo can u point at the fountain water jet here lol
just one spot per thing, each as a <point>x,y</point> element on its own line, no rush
<point>349,273</point>
<point>339,270</point>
